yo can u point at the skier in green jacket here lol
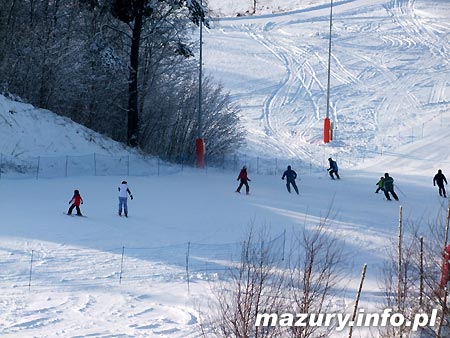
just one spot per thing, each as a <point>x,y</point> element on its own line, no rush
<point>379,184</point>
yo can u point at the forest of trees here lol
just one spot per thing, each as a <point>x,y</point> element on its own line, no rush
<point>125,68</point>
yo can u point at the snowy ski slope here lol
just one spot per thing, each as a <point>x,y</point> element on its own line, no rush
<point>390,99</point>
<point>389,75</point>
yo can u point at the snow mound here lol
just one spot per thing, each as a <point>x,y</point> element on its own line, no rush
<point>29,131</point>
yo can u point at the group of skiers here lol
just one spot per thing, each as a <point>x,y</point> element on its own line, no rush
<point>124,191</point>
<point>289,174</point>
<point>385,184</point>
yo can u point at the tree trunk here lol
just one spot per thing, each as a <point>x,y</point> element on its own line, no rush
<point>133,113</point>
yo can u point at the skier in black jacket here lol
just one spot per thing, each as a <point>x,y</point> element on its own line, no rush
<point>388,187</point>
<point>290,175</point>
<point>439,178</point>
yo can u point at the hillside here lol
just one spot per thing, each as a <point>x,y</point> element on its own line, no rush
<point>27,131</point>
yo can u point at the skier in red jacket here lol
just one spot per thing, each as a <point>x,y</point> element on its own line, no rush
<point>75,201</point>
<point>244,180</point>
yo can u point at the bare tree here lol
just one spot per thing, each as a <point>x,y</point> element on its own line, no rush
<point>254,286</point>
<point>400,294</point>
<point>263,284</point>
<point>315,271</point>
<point>420,290</point>
<point>170,120</point>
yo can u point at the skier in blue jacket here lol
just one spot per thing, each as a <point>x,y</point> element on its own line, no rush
<point>333,169</point>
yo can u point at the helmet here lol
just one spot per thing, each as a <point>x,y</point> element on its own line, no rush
<point>124,182</point>
<point>244,167</point>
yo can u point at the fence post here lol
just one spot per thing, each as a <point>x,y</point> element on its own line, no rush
<point>399,267</point>
<point>358,296</point>
<point>187,267</point>
<point>158,165</point>
<point>38,166</point>
<point>399,263</point>
<point>121,265</point>
<point>95,165</point>
<point>31,270</point>
<point>128,166</point>
<point>421,272</point>
<point>182,164</point>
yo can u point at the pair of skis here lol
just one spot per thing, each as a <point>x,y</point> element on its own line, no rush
<point>73,215</point>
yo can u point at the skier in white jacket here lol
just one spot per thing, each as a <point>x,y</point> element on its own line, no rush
<point>123,197</point>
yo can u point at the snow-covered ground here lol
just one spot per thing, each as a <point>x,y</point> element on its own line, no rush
<point>75,289</point>
<point>390,97</point>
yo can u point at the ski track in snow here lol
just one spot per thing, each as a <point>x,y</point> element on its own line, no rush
<point>71,295</point>
<point>421,30</point>
<point>376,52</point>
<point>94,315</point>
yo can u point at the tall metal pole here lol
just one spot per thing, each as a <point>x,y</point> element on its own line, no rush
<point>199,135</point>
<point>329,62</point>
<point>199,142</point>
<point>326,122</point>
